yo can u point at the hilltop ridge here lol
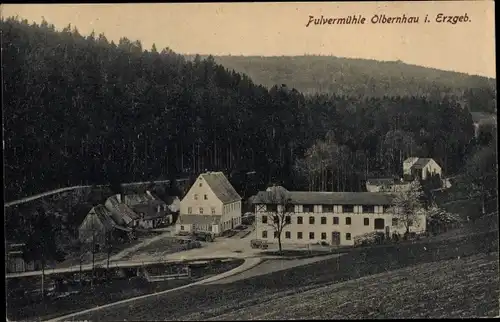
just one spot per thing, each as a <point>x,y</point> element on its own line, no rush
<point>355,77</point>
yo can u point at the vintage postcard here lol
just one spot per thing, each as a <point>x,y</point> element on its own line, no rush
<point>244,161</point>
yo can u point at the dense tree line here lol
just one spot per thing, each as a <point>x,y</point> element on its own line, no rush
<point>82,109</point>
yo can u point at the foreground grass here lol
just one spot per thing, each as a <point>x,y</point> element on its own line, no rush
<point>209,301</point>
<point>457,288</point>
<point>19,308</point>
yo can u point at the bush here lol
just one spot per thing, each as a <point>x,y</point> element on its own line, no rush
<point>366,239</point>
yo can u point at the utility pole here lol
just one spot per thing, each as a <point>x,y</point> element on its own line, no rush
<point>43,273</point>
<point>81,260</point>
<point>93,257</point>
<point>108,244</point>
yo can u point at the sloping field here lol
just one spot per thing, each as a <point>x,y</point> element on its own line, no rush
<point>273,265</point>
<point>457,288</point>
<point>211,301</point>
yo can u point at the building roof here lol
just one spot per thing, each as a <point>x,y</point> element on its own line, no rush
<point>222,188</point>
<point>421,163</point>
<point>277,189</point>
<point>104,216</point>
<point>328,198</point>
<point>482,117</point>
<point>410,160</point>
<point>381,181</point>
<point>199,219</point>
<point>138,198</point>
<point>11,247</point>
<point>174,203</point>
<point>121,208</point>
<point>386,181</point>
<point>150,211</point>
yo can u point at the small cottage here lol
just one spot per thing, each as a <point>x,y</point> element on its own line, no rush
<point>153,214</point>
<point>97,227</point>
<point>422,168</point>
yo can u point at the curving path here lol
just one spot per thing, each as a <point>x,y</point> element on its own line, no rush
<point>52,192</point>
<point>248,264</point>
<point>252,266</point>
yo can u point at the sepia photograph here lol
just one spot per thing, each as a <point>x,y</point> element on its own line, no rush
<point>250,161</point>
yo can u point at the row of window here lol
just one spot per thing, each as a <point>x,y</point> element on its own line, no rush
<point>378,222</point>
<point>288,235</point>
<point>369,209</point>
<point>190,210</point>
<point>227,208</point>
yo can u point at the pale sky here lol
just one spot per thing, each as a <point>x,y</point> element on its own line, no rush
<point>275,29</point>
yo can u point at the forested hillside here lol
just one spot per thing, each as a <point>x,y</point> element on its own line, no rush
<point>363,78</point>
<point>82,109</point>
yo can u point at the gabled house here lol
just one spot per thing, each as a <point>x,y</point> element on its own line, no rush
<point>421,168</point>
<point>97,227</point>
<point>386,185</point>
<point>211,205</point>
<point>152,211</point>
<point>121,213</point>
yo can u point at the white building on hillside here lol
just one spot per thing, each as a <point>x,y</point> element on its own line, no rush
<point>211,205</point>
<point>421,167</point>
<point>332,217</point>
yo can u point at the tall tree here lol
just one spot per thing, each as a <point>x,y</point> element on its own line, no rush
<point>480,178</point>
<point>279,210</point>
<point>407,206</point>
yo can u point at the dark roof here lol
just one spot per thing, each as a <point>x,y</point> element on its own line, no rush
<point>150,211</point>
<point>121,208</point>
<point>173,203</point>
<point>171,199</point>
<point>199,219</point>
<point>482,117</point>
<point>222,188</point>
<point>381,181</point>
<point>15,246</point>
<point>104,216</point>
<point>329,198</point>
<point>420,163</point>
<point>410,159</point>
<point>138,198</point>
<point>277,189</point>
